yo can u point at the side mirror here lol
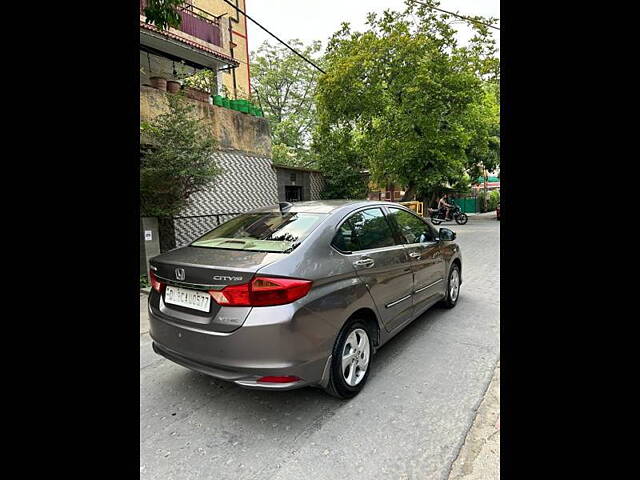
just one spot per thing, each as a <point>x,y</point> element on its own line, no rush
<point>446,235</point>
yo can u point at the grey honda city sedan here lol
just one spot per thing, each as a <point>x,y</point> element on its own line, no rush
<point>300,294</point>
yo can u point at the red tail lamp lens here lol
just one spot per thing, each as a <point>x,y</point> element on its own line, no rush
<point>156,284</point>
<point>287,379</point>
<point>232,295</point>
<point>262,292</point>
<point>277,291</point>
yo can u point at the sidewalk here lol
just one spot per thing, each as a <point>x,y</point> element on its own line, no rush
<point>479,457</point>
<point>485,214</point>
<point>144,316</point>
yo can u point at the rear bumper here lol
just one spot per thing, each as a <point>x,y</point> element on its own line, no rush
<point>274,341</point>
<point>244,379</point>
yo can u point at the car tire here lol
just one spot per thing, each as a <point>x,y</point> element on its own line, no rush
<point>343,385</point>
<point>452,295</point>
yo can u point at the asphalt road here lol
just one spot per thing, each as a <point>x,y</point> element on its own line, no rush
<point>410,421</point>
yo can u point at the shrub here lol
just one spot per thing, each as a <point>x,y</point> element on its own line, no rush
<point>494,200</point>
<point>176,159</point>
<point>480,202</point>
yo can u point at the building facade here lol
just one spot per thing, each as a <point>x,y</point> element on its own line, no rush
<point>212,36</point>
<point>296,184</point>
<point>236,81</point>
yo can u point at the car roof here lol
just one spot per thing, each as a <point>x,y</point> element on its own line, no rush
<point>326,206</point>
<point>329,206</point>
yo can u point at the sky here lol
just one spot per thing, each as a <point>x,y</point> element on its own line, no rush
<point>310,20</point>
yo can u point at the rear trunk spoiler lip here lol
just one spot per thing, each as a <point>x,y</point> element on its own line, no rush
<point>195,286</point>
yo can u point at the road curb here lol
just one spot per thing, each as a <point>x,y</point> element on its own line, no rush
<point>145,290</point>
<point>479,454</point>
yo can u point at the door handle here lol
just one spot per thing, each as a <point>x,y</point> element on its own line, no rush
<point>415,255</point>
<point>364,262</point>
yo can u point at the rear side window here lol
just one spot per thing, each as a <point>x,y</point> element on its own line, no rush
<point>412,228</point>
<point>364,230</point>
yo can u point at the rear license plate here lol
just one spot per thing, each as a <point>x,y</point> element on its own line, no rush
<point>187,298</point>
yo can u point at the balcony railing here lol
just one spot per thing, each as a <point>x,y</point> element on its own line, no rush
<point>196,22</point>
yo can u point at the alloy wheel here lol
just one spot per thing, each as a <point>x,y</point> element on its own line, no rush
<point>355,357</point>
<point>454,284</point>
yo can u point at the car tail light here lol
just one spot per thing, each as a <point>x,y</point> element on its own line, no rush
<point>262,292</point>
<point>287,379</point>
<point>232,295</point>
<point>156,284</point>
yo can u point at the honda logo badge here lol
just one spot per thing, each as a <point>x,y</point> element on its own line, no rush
<point>180,273</point>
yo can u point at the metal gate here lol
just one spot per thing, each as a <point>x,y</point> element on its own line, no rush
<point>467,204</point>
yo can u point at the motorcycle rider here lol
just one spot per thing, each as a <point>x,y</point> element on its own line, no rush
<point>444,205</point>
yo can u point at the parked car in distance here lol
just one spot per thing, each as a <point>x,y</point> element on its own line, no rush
<point>300,294</point>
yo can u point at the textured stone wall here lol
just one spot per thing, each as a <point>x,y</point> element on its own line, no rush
<point>233,130</point>
<point>317,185</point>
<point>246,182</point>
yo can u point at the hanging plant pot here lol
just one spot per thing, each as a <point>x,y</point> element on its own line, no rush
<point>173,86</point>
<point>159,82</point>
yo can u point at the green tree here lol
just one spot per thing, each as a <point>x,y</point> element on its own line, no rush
<point>163,13</point>
<point>175,162</point>
<point>343,166</point>
<point>406,101</point>
<point>283,85</point>
<point>483,150</point>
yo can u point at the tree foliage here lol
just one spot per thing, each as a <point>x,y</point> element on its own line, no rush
<point>283,85</point>
<point>163,13</point>
<point>176,159</point>
<point>406,102</point>
<point>344,168</point>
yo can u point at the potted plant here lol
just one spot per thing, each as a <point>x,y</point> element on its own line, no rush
<point>173,86</point>
<point>159,82</point>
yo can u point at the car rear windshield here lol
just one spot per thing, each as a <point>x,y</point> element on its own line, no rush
<point>262,232</point>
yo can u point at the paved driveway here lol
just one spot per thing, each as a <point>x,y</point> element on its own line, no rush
<point>409,422</point>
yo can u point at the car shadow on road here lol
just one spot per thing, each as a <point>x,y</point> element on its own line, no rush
<point>414,332</point>
<point>304,409</point>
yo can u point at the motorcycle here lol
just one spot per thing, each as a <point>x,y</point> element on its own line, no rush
<point>455,213</point>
